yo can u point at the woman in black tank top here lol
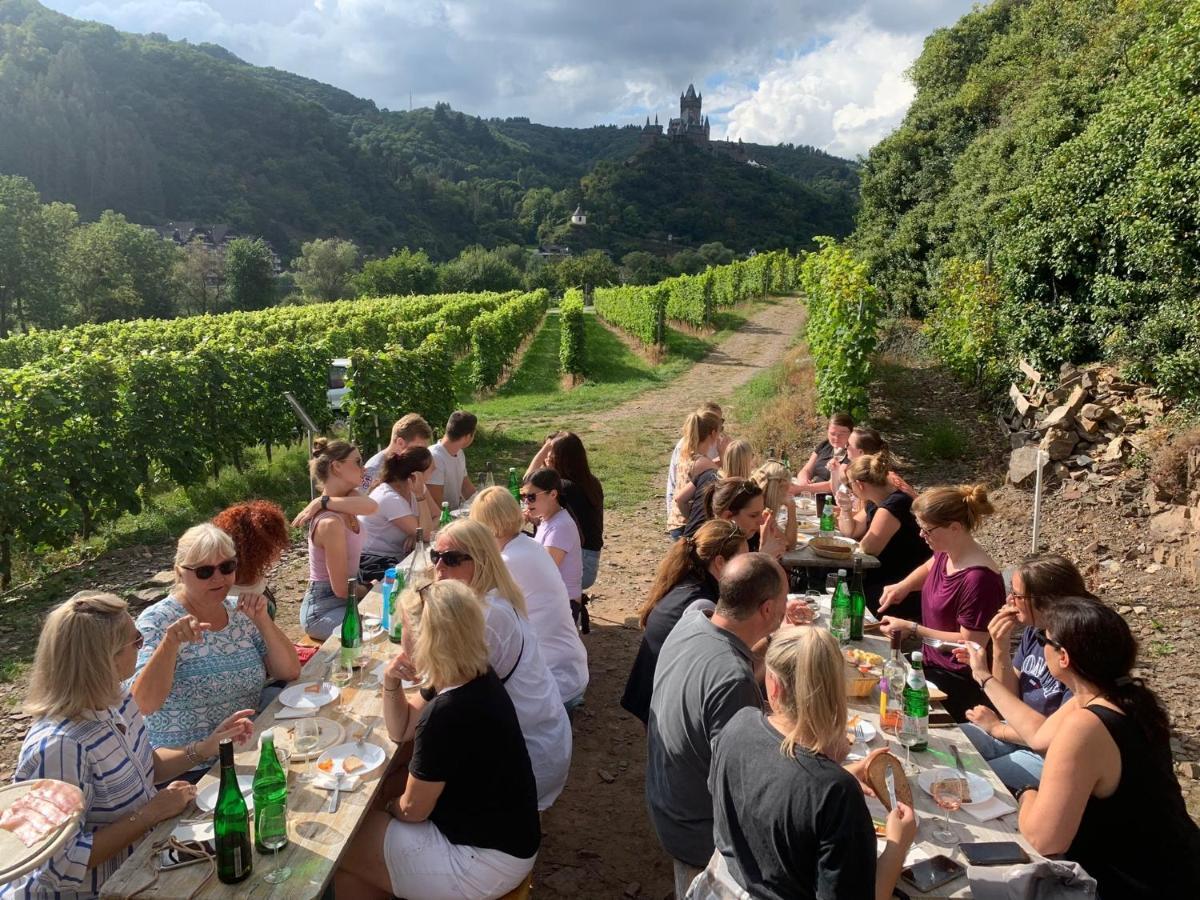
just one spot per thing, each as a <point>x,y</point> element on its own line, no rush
<point>1108,798</point>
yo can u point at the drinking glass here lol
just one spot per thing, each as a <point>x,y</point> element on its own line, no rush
<point>831,583</point>
<point>905,730</point>
<point>341,673</point>
<point>948,794</point>
<point>273,823</point>
<point>308,736</point>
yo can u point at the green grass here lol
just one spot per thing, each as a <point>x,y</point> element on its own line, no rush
<point>749,400</point>
<point>941,441</point>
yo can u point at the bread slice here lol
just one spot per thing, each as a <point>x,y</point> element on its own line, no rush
<point>314,688</point>
<point>351,764</point>
<point>877,779</point>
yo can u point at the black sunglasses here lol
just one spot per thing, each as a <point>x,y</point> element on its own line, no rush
<point>1039,635</point>
<point>452,558</point>
<point>206,572</point>
<point>531,498</point>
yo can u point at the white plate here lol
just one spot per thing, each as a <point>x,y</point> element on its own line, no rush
<point>981,788</point>
<point>206,798</point>
<point>298,697</point>
<point>372,755</point>
<point>868,731</point>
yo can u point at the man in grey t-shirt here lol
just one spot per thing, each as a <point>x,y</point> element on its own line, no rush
<point>705,674</point>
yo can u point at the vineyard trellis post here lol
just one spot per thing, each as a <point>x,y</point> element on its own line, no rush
<point>310,428</point>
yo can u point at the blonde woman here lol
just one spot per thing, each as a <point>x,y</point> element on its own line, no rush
<point>961,589</point>
<point>466,551</point>
<point>737,461</point>
<point>203,657</point>
<point>87,731</point>
<point>789,820</point>
<point>708,407</point>
<point>536,575</point>
<point>466,826</point>
<point>698,445</point>
<point>775,482</point>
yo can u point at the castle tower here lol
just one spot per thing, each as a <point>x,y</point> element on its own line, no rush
<point>689,106</point>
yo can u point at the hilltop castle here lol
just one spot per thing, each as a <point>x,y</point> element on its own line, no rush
<point>691,127</point>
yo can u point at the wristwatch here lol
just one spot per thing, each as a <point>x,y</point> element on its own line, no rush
<point>324,502</point>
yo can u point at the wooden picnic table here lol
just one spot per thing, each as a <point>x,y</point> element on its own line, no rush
<point>317,837</point>
<point>804,558</point>
<point>939,754</point>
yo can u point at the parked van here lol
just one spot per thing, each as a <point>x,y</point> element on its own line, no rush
<point>336,389</point>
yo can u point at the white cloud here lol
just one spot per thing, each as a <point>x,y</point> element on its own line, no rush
<point>843,96</point>
<point>821,72</point>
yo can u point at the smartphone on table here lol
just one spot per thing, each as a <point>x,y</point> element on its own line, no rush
<point>172,858</point>
<point>994,853</point>
<point>933,872</point>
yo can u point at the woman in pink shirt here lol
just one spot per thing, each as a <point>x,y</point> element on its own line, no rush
<point>557,530</point>
<point>961,589</point>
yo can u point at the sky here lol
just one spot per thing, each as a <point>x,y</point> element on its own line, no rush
<point>829,73</point>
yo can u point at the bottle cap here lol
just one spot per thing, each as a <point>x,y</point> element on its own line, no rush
<point>842,572</point>
<point>918,656</point>
<point>390,572</point>
<point>897,638</point>
<point>268,735</point>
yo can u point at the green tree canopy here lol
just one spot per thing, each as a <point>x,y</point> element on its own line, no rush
<point>324,268</point>
<point>249,274</point>
<point>404,272</point>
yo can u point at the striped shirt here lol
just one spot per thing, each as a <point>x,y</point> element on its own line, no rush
<point>214,678</point>
<point>107,753</point>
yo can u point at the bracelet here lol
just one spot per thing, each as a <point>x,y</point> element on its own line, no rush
<point>420,496</point>
<point>983,684</point>
<point>1022,790</point>
<point>192,755</point>
<point>913,631</point>
<point>324,502</point>
<point>390,690</point>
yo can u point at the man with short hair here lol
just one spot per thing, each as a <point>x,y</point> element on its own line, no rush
<point>410,430</point>
<point>448,480</point>
<point>705,674</point>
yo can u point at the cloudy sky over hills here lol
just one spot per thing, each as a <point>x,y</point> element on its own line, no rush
<point>824,72</point>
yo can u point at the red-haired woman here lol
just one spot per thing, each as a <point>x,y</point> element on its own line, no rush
<point>260,535</point>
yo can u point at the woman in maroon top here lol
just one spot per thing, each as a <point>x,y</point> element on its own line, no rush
<point>961,589</point>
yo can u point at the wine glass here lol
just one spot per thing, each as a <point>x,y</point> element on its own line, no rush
<point>831,581</point>
<point>948,794</point>
<point>308,736</point>
<point>341,673</point>
<point>906,732</point>
<point>272,834</point>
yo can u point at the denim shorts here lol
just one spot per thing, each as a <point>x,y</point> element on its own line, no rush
<point>591,568</point>
<point>321,611</point>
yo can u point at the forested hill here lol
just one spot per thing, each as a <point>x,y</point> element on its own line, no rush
<point>165,130</point>
<point>1042,197</point>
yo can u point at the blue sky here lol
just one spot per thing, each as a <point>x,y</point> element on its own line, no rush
<point>818,72</point>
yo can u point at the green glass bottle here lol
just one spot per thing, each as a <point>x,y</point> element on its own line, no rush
<point>231,824</point>
<point>351,625</point>
<point>828,521</point>
<point>445,519</point>
<point>514,485</point>
<point>396,631</point>
<point>270,794</point>
<point>915,723</point>
<point>858,602</point>
<point>839,612</point>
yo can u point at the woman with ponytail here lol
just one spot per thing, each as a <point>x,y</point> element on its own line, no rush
<point>699,442</point>
<point>1108,798</point>
<point>690,572</point>
<point>788,819</point>
<point>885,527</point>
<point>961,589</point>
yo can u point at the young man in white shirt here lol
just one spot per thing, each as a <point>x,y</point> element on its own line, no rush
<point>410,430</point>
<point>448,480</point>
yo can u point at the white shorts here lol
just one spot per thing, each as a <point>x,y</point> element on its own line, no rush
<point>422,864</point>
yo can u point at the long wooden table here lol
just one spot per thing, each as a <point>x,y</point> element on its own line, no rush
<point>317,837</point>
<point>965,827</point>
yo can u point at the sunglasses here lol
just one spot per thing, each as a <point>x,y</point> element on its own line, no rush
<point>1039,635</point>
<point>531,498</point>
<point>206,572</point>
<point>451,558</point>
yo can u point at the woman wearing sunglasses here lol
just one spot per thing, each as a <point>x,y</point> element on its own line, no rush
<point>1108,797</point>
<point>1020,686</point>
<point>466,551</point>
<point>204,658</point>
<point>87,731</point>
<point>961,589</point>
<point>557,530</point>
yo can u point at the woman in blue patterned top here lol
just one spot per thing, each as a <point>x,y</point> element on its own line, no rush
<point>87,731</point>
<point>205,657</point>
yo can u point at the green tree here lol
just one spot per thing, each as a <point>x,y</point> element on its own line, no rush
<point>688,262</point>
<point>587,270</point>
<point>476,269</point>
<point>33,244</point>
<point>119,270</point>
<point>201,279</point>
<point>640,267</point>
<point>404,272</point>
<point>324,268</point>
<point>716,253</point>
<point>249,274</point>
